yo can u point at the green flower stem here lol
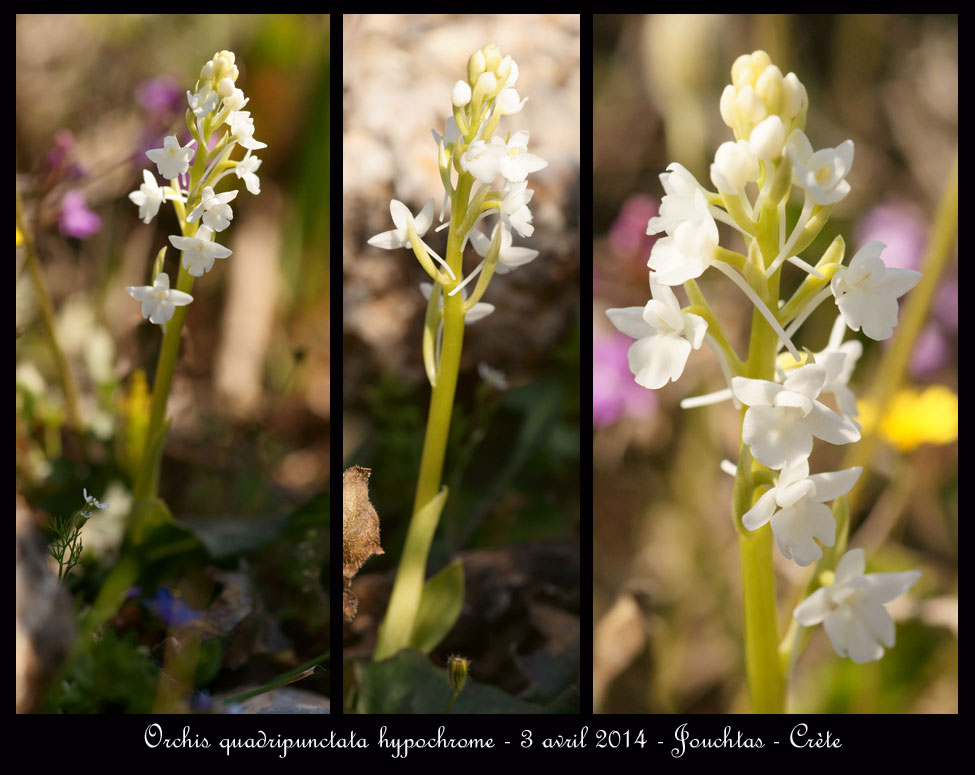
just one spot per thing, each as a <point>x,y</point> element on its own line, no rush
<point>145,484</point>
<point>915,310</point>
<point>397,627</point>
<point>47,317</point>
<point>766,680</point>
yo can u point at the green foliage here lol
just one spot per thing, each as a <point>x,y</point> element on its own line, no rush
<point>162,548</point>
<point>113,675</point>
<point>409,683</point>
<point>440,605</point>
<point>66,546</point>
<point>208,660</point>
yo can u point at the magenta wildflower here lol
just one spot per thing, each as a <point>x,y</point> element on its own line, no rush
<point>76,219</point>
<point>160,95</point>
<point>628,234</point>
<point>615,394</point>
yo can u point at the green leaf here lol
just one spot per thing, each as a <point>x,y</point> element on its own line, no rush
<point>160,546</point>
<point>440,604</point>
<point>210,657</point>
<point>148,516</point>
<point>409,683</point>
<point>401,615</point>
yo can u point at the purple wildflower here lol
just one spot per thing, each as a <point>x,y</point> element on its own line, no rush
<point>76,219</point>
<point>172,610</point>
<point>628,234</point>
<point>901,228</point>
<point>63,147</point>
<point>160,95</point>
<point>615,394</point>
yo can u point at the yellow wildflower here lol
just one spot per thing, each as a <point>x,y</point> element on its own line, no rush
<point>914,417</point>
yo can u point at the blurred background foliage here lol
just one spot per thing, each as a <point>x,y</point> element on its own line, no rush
<point>667,607</point>
<point>512,462</point>
<point>246,461</point>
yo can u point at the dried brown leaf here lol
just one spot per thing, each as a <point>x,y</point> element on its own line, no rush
<point>360,531</point>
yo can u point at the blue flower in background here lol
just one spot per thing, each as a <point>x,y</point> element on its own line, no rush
<point>171,609</point>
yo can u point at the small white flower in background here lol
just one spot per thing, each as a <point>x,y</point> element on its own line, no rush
<point>91,500</point>
<point>509,257</point>
<point>797,509</point>
<point>242,129</point>
<point>199,251</point>
<point>214,208</point>
<point>867,291</point>
<point>494,377</point>
<point>851,609</point>
<point>477,312</point>
<point>515,213</point>
<point>402,217</point>
<point>159,302</point>
<point>148,197</point>
<point>782,419</point>
<point>246,170</point>
<point>665,336</point>
<point>823,173</point>
<point>172,159</point>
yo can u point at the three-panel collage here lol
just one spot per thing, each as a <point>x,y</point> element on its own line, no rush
<point>268,263</point>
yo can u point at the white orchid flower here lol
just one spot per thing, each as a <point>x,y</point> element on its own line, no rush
<point>199,251</point>
<point>867,291</point>
<point>851,609</point>
<point>782,420</point>
<point>796,507</point>
<point>664,336</point>
<point>159,301</point>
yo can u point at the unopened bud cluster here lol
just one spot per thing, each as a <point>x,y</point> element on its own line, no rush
<point>759,92</point>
